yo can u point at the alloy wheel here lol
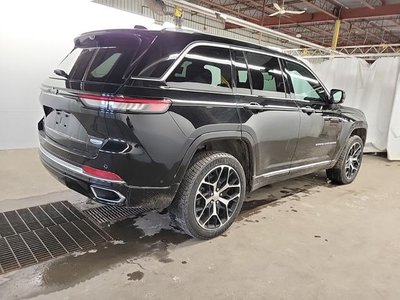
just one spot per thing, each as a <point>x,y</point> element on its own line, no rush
<point>217,197</point>
<point>353,160</point>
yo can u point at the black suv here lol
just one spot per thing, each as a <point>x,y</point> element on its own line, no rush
<point>192,122</point>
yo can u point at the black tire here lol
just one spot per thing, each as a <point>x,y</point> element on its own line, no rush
<point>340,173</point>
<point>183,209</point>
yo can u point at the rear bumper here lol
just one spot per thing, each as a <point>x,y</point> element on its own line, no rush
<point>74,177</point>
<point>112,192</point>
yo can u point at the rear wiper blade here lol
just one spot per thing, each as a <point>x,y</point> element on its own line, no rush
<point>62,73</point>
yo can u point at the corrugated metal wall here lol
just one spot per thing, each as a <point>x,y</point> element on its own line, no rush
<point>195,21</point>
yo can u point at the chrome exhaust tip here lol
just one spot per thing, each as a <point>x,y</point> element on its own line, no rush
<point>108,196</point>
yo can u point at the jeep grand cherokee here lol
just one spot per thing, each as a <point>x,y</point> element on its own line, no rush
<point>192,122</point>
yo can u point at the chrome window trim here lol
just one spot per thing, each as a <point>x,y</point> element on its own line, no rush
<point>204,103</point>
<point>293,95</point>
<point>194,44</point>
<point>227,93</point>
<point>219,45</point>
<point>195,91</point>
<point>279,172</point>
<point>230,104</point>
<point>145,78</point>
<point>280,107</point>
<point>266,97</point>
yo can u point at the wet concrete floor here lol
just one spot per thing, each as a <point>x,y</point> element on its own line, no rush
<point>299,239</point>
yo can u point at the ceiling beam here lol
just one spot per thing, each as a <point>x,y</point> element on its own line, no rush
<point>231,11</point>
<point>346,14</point>
<point>319,8</point>
<point>248,25</point>
<point>367,4</point>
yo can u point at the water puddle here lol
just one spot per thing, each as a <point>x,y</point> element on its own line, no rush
<point>131,243</point>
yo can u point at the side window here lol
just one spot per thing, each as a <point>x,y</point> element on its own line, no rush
<point>266,75</point>
<point>204,68</point>
<point>241,73</point>
<point>305,85</point>
<point>158,58</point>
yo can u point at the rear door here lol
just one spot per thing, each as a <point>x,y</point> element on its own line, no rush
<point>320,124</point>
<point>201,88</point>
<point>268,115</point>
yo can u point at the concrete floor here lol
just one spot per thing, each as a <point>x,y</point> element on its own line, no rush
<point>301,239</point>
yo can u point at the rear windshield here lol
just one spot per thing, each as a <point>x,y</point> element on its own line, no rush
<point>111,58</point>
<point>109,62</point>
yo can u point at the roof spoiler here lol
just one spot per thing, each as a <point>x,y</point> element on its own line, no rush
<point>110,37</point>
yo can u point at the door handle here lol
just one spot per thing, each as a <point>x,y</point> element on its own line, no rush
<point>308,110</point>
<point>254,106</point>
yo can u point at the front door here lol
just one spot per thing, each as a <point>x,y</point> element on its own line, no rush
<point>320,124</point>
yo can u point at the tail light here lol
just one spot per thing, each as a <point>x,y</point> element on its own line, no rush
<point>124,104</point>
<point>101,174</point>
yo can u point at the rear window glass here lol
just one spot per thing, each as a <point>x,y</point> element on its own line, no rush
<point>105,66</point>
<point>109,63</point>
<point>98,64</point>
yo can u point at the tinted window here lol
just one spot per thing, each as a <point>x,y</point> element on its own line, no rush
<point>106,56</point>
<point>161,55</point>
<point>305,85</point>
<point>109,64</point>
<point>105,66</point>
<point>241,73</point>
<point>101,64</point>
<point>204,68</point>
<point>76,62</point>
<point>266,75</point>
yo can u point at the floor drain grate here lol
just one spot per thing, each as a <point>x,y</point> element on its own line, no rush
<point>35,234</point>
<point>111,214</point>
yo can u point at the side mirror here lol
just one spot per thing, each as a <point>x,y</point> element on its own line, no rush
<point>337,96</point>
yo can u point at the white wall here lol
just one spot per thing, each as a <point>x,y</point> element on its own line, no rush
<point>34,37</point>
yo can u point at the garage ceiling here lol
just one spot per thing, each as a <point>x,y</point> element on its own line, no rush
<point>364,22</point>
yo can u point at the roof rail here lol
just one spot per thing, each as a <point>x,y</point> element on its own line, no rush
<point>184,30</point>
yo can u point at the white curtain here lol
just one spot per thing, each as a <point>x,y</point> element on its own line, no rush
<point>375,89</point>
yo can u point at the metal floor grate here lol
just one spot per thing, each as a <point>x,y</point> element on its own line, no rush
<point>111,213</point>
<point>35,234</point>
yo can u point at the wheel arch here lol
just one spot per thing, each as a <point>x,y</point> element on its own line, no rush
<point>361,132</point>
<point>356,128</point>
<point>230,142</point>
